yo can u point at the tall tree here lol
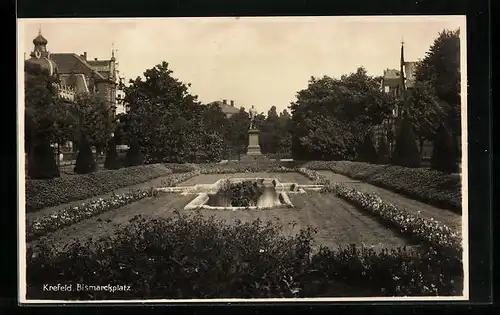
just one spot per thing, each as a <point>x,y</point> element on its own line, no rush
<point>354,99</point>
<point>238,131</point>
<point>441,69</point>
<point>165,119</point>
<point>46,121</point>
<point>269,136</point>
<point>426,112</point>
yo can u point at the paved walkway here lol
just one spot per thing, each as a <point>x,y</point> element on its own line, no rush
<point>447,217</point>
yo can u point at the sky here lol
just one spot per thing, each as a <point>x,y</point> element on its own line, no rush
<point>260,61</point>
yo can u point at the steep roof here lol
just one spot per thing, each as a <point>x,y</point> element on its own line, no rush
<point>70,62</point>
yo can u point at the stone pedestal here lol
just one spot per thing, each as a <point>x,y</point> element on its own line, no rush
<point>253,143</point>
<point>253,149</point>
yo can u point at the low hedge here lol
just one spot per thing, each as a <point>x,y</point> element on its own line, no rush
<point>249,167</point>
<point>182,167</point>
<point>195,257</point>
<point>71,215</point>
<point>429,186</point>
<point>48,193</point>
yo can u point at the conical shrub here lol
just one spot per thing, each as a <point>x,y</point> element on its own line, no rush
<point>112,162</point>
<point>85,162</point>
<point>444,157</point>
<point>367,152</point>
<point>383,155</point>
<point>134,156</point>
<point>406,151</point>
<point>42,163</point>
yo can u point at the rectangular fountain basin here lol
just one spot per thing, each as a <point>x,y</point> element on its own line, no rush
<point>259,193</point>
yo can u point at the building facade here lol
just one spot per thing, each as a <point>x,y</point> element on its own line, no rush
<point>76,73</point>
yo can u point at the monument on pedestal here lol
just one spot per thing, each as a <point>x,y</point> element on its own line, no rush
<point>253,149</point>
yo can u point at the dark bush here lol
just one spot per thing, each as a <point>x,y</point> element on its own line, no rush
<point>367,152</point>
<point>406,151</point>
<point>444,156</point>
<point>134,155</point>
<point>85,162</point>
<point>383,154</point>
<point>430,186</point>
<point>48,193</point>
<point>112,162</point>
<point>42,163</point>
<point>195,257</point>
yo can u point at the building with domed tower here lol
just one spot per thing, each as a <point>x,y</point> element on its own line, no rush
<point>76,73</point>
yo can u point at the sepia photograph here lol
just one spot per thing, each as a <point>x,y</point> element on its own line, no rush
<point>246,159</point>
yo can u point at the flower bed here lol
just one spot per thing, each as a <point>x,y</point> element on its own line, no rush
<point>430,186</point>
<point>435,234</point>
<point>177,178</point>
<point>196,257</point>
<point>71,215</point>
<point>313,175</point>
<point>48,193</point>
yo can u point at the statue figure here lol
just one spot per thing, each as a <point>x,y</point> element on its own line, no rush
<point>252,114</point>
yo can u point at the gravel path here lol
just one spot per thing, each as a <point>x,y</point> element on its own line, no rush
<point>447,217</point>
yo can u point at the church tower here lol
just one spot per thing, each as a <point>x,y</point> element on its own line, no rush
<point>401,71</point>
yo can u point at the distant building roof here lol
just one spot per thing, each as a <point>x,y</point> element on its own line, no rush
<point>227,109</point>
<point>70,62</point>
<point>392,78</point>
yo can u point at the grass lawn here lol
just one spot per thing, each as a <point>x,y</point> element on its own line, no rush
<point>338,222</point>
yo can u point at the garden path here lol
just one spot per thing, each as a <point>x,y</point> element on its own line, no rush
<point>451,219</point>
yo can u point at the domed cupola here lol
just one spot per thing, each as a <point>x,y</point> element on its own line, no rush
<point>40,40</point>
<point>40,55</point>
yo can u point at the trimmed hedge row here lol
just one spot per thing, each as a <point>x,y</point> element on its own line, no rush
<point>48,193</point>
<point>429,186</point>
<point>71,215</point>
<point>249,167</point>
<point>196,257</point>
